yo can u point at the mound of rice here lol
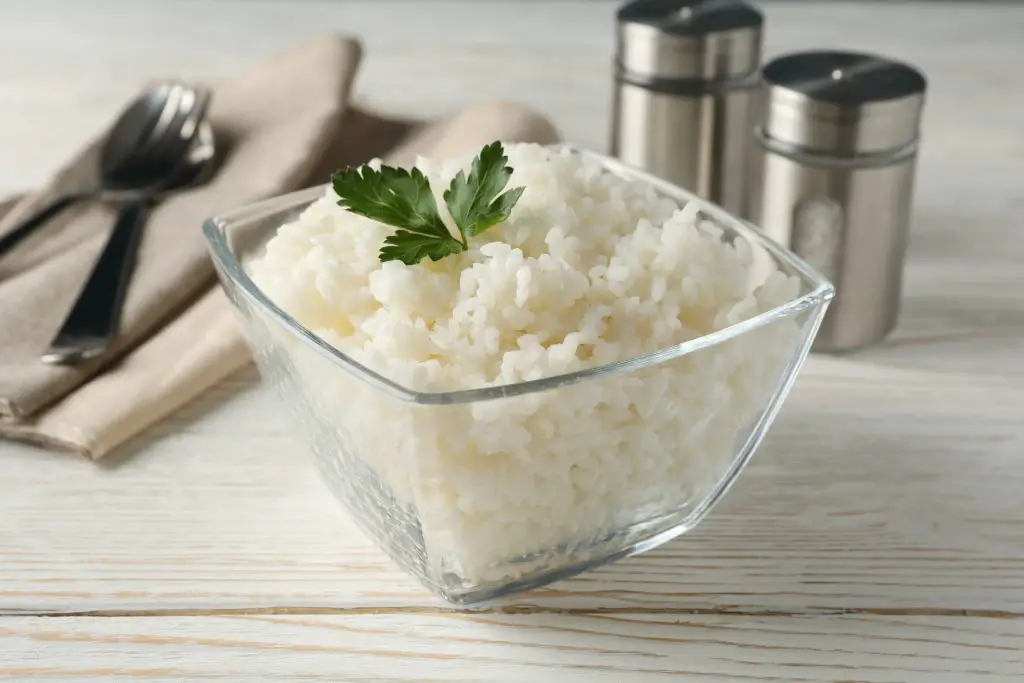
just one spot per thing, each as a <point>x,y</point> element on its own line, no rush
<point>589,269</point>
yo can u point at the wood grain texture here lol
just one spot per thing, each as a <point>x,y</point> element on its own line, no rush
<point>910,501</point>
<point>878,536</point>
<point>505,648</point>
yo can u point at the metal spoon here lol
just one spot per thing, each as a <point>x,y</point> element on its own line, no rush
<point>144,122</point>
<point>92,322</point>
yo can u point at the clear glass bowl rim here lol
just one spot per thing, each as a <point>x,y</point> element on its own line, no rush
<point>214,230</point>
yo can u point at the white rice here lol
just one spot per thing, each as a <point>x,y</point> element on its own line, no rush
<point>590,269</point>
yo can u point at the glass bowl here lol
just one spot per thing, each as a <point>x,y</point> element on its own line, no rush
<point>620,458</point>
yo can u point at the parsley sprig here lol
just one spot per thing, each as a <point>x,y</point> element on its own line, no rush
<point>402,199</point>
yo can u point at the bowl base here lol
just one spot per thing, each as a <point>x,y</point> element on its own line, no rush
<point>634,540</point>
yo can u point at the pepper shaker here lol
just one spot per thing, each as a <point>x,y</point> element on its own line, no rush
<point>685,89</point>
<point>839,138</point>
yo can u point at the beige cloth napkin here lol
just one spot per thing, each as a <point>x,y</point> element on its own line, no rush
<point>288,125</point>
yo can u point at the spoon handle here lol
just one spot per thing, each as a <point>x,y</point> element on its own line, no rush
<point>93,320</point>
<point>10,239</point>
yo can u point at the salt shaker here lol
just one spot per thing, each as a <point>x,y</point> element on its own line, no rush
<point>839,137</point>
<point>685,87</point>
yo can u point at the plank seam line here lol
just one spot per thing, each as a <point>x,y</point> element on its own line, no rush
<point>300,610</point>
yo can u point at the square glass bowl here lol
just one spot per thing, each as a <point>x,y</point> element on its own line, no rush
<point>483,493</point>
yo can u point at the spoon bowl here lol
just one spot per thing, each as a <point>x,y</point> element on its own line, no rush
<point>158,164</point>
<point>138,155</point>
<point>143,122</point>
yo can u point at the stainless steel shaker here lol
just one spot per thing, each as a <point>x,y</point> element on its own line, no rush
<point>685,86</point>
<point>839,138</point>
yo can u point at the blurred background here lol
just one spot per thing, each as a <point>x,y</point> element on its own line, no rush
<point>66,66</point>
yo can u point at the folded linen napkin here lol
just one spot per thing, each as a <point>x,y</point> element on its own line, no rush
<point>287,124</point>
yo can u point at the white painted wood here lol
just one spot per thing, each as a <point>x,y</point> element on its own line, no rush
<point>869,493</point>
<point>891,486</point>
<point>454,648</point>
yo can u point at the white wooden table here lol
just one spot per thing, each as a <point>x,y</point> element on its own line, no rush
<point>878,536</point>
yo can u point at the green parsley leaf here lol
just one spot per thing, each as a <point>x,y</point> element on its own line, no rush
<point>402,199</point>
<point>473,201</point>
<point>410,248</point>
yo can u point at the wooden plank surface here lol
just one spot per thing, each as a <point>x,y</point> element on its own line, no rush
<point>842,509</point>
<point>371,648</point>
<point>878,536</point>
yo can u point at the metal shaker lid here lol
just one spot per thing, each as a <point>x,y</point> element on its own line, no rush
<point>688,40</point>
<point>842,102</point>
